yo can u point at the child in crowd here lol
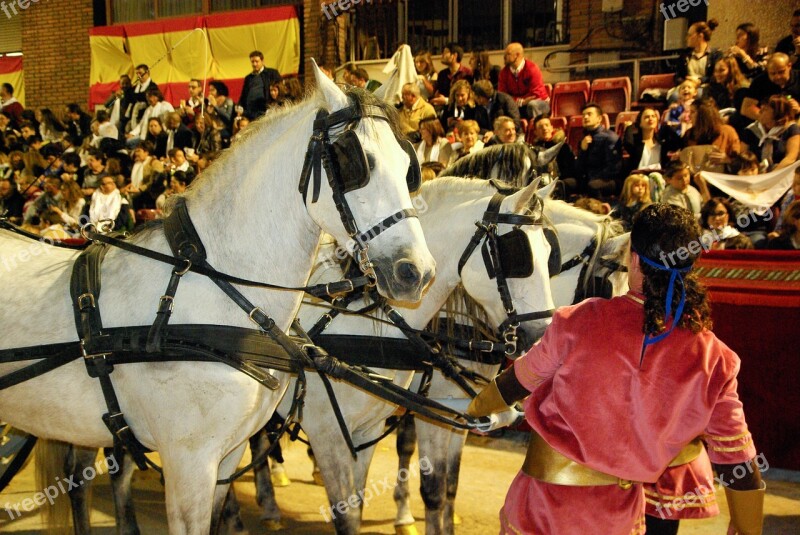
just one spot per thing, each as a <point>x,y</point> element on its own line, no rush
<point>635,196</point>
<point>593,205</point>
<point>789,236</point>
<point>678,191</point>
<point>677,116</point>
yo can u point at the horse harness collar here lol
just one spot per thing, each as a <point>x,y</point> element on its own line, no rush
<point>348,168</point>
<point>506,256</point>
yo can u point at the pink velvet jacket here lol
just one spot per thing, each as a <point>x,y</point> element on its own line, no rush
<point>593,401</point>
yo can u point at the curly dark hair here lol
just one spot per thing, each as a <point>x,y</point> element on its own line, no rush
<point>660,233</point>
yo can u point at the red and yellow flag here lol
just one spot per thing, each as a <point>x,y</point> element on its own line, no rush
<point>214,47</point>
<point>11,72</point>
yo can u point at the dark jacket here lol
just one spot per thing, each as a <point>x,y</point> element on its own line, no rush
<point>714,55</point>
<point>12,206</point>
<point>256,110</point>
<point>500,104</point>
<point>603,158</point>
<point>448,116</point>
<point>182,138</point>
<point>80,129</point>
<point>632,142</point>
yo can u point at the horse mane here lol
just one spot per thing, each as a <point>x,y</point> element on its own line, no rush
<point>507,159</point>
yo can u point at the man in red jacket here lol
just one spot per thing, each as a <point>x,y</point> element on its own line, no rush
<point>522,79</point>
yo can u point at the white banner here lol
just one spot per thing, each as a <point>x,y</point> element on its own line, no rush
<point>759,192</point>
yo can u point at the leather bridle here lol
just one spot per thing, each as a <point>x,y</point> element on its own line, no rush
<point>487,230</point>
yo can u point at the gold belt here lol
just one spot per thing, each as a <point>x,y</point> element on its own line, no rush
<point>545,464</point>
<point>689,453</point>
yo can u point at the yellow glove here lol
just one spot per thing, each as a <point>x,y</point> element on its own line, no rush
<point>747,510</point>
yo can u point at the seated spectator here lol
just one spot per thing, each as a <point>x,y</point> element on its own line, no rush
<point>635,196</point>
<point>157,137</point>
<point>293,90</point>
<point>195,105</point>
<point>792,195</point>
<point>157,107</point>
<point>775,136</point>
<point>461,106</point>
<point>145,167</point>
<point>678,191</point>
<point>360,78</point>
<point>78,122</point>
<point>178,183</point>
<point>491,104</point>
<point>780,79</point>
<point>208,135</point>
<point>72,204</point>
<point>434,146</point>
<point>105,128</point>
<point>522,80</point>
<point>9,105</point>
<point>563,167</point>
<point>482,68</point>
<point>221,104</point>
<point>431,170</point>
<point>454,71</point>
<point>728,89</point>
<point>11,200</point>
<point>414,110</point>
<point>426,74</point>
<point>178,161</point>
<point>277,94</point>
<point>94,172</point>
<point>648,145</point>
<point>599,156</point>
<point>718,233</point>
<point>178,136</point>
<point>52,157</point>
<point>789,236</point>
<point>677,115</point>
<point>50,127</point>
<point>51,197</point>
<point>106,202</point>
<point>790,45</point>
<point>239,124</point>
<point>698,62</point>
<point>708,129</point>
<point>468,132</point>
<point>503,131</point>
<point>51,228</point>
<point>749,55</point>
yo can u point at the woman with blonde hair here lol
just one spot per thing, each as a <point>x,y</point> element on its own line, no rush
<point>434,146</point>
<point>468,131</point>
<point>72,204</point>
<point>635,196</point>
<point>426,74</point>
<point>461,107</point>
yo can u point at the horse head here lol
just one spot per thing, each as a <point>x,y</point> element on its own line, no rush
<point>365,202</point>
<point>515,263</point>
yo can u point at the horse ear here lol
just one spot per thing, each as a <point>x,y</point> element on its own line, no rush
<point>546,191</point>
<point>521,200</point>
<point>334,96</point>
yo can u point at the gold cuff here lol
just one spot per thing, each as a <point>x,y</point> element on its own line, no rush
<point>747,509</point>
<point>489,401</point>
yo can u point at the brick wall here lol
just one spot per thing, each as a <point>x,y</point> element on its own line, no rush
<point>55,41</point>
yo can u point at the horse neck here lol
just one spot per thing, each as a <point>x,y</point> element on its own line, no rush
<point>246,206</point>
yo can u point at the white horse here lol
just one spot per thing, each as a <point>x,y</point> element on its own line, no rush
<point>453,205</point>
<point>253,224</point>
<point>591,238</point>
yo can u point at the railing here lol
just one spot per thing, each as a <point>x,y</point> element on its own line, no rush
<point>635,75</point>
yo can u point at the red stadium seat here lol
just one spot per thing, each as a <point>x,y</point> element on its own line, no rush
<point>653,81</point>
<point>574,132</point>
<point>625,117</point>
<point>568,98</point>
<point>613,95</point>
<point>549,88</point>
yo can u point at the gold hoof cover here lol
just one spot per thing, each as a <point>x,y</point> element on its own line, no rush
<point>280,479</point>
<point>456,519</point>
<point>272,525</point>
<point>318,478</point>
<point>408,529</point>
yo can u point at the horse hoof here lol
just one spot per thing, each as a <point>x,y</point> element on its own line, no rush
<point>280,479</point>
<point>456,519</point>
<point>272,525</point>
<point>318,478</point>
<point>408,529</point>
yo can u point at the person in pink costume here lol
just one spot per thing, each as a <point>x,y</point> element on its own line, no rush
<point>610,408</point>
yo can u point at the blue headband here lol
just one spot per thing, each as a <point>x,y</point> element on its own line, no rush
<point>675,273</point>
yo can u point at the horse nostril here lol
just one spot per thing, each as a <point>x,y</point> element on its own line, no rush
<point>407,273</point>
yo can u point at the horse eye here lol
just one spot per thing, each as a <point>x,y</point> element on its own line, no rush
<point>371,161</point>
